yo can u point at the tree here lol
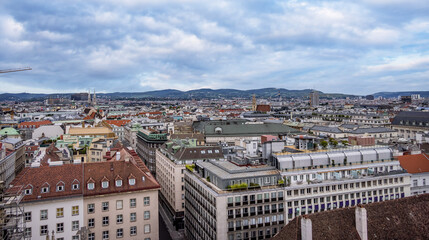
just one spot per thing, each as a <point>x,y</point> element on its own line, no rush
<point>324,143</point>
<point>335,143</point>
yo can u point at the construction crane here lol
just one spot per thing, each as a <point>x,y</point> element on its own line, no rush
<point>15,70</point>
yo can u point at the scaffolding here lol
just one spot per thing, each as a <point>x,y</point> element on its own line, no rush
<point>12,224</point>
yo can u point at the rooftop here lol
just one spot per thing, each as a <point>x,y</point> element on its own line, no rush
<point>404,218</point>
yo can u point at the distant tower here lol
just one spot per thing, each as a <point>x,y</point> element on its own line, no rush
<point>89,97</point>
<point>94,99</point>
<point>314,98</point>
<point>254,103</point>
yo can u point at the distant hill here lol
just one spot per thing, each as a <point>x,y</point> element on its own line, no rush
<point>197,94</point>
<point>423,94</point>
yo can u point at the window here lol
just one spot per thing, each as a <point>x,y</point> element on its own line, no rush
<point>91,186</point>
<point>118,183</point>
<point>133,217</point>
<point>28,191</point>
<point>105,221</point>
<point>415,183</point>
<point>105,184</point>
<point>105,235</point>
<point>75,225</point>
<point>91,222</point>
<point>119,232</point>
<point>105,206</point>
<point>60,212</point>
<point>45,189</point>
<point>75,237</point>
<point>147,228</point>
<point>60,188</point>
<point>27,216</point>
<point>60,227</point>
<point>91,236</point>
<point>75,186</point>
<point>43,214</point>
<point>133,230</point>
<point>119,204</point>
<point>133,203</point>
<point>75,210</point>
<point>27,232</point>
<point>146,215</point>
<point>146,201</point>
<point>119,219</point>
<point>43,230</point>
<point>132,181</point>
<point>91,208</point>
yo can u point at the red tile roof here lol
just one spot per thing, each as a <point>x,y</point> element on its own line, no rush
<point>417,163</point>
<point>118,123</point>
<point>263,108</point>
<point>67,174</point>
<point>100,171</point>
<point>34,124</point>
<point>36,178</point>
<point>404,218</point>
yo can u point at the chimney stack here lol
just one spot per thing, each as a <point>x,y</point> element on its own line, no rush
<point>361,222</point>
<point>306,228</point>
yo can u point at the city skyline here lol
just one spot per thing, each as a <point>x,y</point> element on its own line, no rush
<point>130,46</point>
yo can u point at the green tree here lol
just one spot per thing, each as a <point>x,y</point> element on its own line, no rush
<point>324,143</point>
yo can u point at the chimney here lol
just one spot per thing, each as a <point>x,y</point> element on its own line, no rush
<point>118,156</point>
<point>306,228</point>
<point>361,222</point>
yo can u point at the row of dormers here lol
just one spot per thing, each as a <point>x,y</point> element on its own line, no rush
<point>76,185</point>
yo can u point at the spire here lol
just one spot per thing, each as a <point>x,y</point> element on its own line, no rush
<point>94,99</point>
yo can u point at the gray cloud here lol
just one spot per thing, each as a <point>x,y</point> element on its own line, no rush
<point>132,45</point>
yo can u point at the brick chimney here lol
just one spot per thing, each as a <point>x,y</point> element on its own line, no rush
<point>361,222</point>
<point>306,228</point>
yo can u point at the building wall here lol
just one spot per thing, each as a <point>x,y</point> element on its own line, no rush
<point>171,178</point>
<point>7,168</point>
<point>126,211</point>
<point>408,132</point>
<point>52,220</point>
<point>420,183</point>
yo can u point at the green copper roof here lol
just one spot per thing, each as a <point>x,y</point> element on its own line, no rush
<point>9,132</point>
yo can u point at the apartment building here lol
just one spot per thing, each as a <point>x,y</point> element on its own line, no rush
<point>120,201</point>
<point>147,143</point>
<point>369,119</point>
<point>7,164</point>
<point>418,166</point>
<point>172,158</point>
<point>255,201</point>
<point>408,124</point>
<point>53,202</point>
<point>112,200</point>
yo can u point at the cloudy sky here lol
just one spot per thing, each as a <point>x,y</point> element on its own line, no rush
<point>355,46</point>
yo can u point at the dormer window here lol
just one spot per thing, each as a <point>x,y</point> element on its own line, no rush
<point>105,184</point>
<point>118,183</point>
<point>75,184</point>
<point>216,151</point>
<point>132,181</point>
<point>203,152</point>
<point>209,151</point>
<point>45,189</point>
<point>91,186</point>
<point>28,191</point>
<point>143,178</point>
<point>60,188</point>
